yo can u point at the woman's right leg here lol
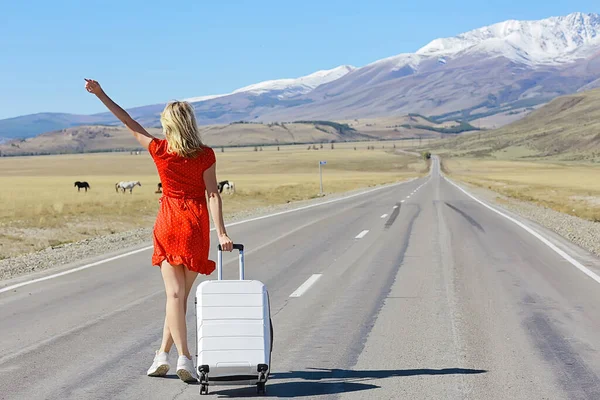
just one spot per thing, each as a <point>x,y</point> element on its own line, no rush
<point>174,279</point>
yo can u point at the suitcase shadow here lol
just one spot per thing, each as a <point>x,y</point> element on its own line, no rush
<point>318,381</point>
<point>296,389</point>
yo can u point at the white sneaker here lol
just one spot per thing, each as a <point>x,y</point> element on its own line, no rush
<point>185,370</point>
<point>160,366</point>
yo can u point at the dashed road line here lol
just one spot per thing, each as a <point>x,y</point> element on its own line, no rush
<point>362,234</point>
<point>306,285</point>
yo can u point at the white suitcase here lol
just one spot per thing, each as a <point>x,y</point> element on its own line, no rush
<point>234,332</point>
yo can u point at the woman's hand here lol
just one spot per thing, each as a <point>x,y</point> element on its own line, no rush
<point>142,135</point>
<point>225,242</point>
<point>93,86</point>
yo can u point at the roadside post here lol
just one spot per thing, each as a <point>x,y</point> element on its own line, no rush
<point>321,163</point>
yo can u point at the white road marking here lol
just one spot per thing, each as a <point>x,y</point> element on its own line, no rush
<point>560,252</point>
<point>70,271</point>
<point>306,285</point>
<point>383,216</point>
<point>397,206</point>
<point>361,235</point>
<point>401,201</point>
<point>94,264</point>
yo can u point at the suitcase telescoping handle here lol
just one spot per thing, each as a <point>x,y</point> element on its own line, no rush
<point>239,247</point>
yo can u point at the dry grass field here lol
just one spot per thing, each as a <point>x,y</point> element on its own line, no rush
<point>41,208</point>
<point>568,188</point>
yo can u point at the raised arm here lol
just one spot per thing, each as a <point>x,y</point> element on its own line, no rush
<point>138,130</point>
<point>216,207</point>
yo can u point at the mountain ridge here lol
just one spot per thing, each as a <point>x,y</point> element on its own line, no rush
<point>303,84</point>
<point>502,68</point>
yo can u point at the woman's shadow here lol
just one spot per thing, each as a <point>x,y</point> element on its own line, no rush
<point>318,381</point>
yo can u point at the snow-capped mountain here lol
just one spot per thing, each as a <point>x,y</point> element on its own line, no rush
<point>287,87</point>
<point>554,40</point>
<point>506,67</point>
<point>502,68</point>
<point>551,41</point>
<point>495,68</point>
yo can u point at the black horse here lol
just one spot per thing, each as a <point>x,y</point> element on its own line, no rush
<point>159,188</point>
<point>82,185</point>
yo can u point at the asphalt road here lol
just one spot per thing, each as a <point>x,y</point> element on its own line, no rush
<point>423,294</point>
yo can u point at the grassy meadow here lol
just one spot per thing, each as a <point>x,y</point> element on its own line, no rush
<point>571,188</point>
<point>41,208</point>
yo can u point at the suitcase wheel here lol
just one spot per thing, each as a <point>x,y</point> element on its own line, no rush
<point>203,383</point>
<point>203,389</point>
<point>261,388</point>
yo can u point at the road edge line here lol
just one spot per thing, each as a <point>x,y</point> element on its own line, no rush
<point>533,232</point>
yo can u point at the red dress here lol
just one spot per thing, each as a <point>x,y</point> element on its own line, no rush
<point>182,229</point>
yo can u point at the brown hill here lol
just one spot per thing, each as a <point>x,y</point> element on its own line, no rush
<point>568,128</point>
<point>81,139</point>
<point>88,139</point>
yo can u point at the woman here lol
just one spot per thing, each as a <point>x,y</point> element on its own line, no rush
<point>187,170</point>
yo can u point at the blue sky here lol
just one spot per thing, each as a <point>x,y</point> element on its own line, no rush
<point>146,52</point>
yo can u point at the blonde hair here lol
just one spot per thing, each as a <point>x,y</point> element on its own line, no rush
<point>180,128</point>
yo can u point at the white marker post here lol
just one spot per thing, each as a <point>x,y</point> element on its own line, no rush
<point>321,175</point>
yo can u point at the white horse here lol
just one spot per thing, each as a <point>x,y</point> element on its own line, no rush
<point>127,186</point>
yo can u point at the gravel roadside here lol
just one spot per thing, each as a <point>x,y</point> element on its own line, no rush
<point>79,252</point>
<point>584,233</point>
